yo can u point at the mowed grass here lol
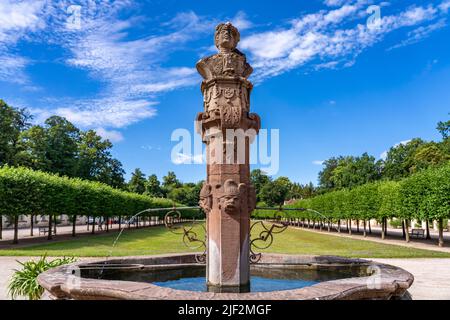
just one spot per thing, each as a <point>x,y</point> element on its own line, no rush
<point>158,240</point>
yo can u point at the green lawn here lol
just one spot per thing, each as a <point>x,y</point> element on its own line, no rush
<point>158,240</point>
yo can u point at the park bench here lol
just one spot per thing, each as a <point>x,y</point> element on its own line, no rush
<point>418,233</point>
<point>43,230</point>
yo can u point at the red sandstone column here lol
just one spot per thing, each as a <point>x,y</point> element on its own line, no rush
<point>227,128</point>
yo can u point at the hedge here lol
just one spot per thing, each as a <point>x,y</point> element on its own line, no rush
<point>422,196</point>
<point>27,192</point>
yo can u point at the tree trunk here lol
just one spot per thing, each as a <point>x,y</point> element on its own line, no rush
<point>120,222</point>
<point>49,237</point>
<point>370,228</point>
<point>31,225</point>
<point>364,232</point>
<point>16,229</point>
<point>1,226</point>
<point>87,223</point>
<point>383,229</point>
<point>339,226</point>
<point>74,223</point>
<point>406,230</point>
<point>403,229</point>
<point>93,225</point>
<point>329,225</point>
<point>357,226</point>
<point>350,226</point>
<point>428,237</point>
<point>56,222</point>
<point>107,224</point>
<point>441,232</point>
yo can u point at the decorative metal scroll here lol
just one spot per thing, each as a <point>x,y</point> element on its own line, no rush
<point>265,237</point>
<point>190,238</point>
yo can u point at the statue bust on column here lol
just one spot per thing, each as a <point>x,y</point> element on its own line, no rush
<point>227,197</point>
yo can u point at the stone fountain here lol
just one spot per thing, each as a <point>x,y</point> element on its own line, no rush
<point>227,198</point>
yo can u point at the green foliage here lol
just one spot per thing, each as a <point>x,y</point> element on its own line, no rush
<point>24,282</point>
<point>444,129</point>
<point>24,191</point>
<point>153,187</point>
<point>395,223</point>
<point>187,194</point>
<point>137,182</point>
<point>170,182</point>
<point>423,196</point>
<point>60,147</point>
<point>259,179</point>
<point>12,122</point>
<point>274,193</point>
<point>400,159</point>
<point>348,172</point>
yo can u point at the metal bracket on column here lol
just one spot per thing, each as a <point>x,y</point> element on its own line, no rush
<point>265,237</point>
<point>190,238</point>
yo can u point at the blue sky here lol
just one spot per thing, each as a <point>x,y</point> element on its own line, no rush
<point>328,82</point>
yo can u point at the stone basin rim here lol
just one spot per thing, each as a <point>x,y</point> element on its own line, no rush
<point>392,282</point>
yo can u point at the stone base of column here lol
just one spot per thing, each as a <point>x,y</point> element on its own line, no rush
<point>228,289</point>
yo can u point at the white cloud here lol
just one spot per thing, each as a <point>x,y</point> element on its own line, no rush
<point>111,135</point>
<point>107,112</point>
<point>129,70</point>
<point>241,21</point>
<point>335,3</point>
<point>182,158</point>
<point>384,154</point>
<point>444,6</point>
<point>420,33</point>
<point>19,16</point>
<point>16,19</point>
<point>318,162</point>
<point>12,68</point>
<point>323,39</point>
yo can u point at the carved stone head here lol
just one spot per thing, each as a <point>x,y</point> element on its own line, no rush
<point>230,201</point>
<point>206,198</point>
<point>226,36</point>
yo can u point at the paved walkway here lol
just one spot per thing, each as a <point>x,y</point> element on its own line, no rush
<point>431,276</point>
<point>24,233</point>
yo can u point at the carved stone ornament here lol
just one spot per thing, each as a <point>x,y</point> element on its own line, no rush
<point>229,62</point>
<point>206,198</point>
<point>231,198</point>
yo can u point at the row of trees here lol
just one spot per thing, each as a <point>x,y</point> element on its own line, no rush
<point>274,192</point>
<point>171,187</point>
<point>57,146</point>
<point>424,196</point>
<point>27,192</point>
<point>271,192</point>
<point>401,161</point>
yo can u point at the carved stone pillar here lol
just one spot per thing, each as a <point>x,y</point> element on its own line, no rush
<point>227,127</point>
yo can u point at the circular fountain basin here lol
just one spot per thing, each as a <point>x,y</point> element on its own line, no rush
<point>275,277</point>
